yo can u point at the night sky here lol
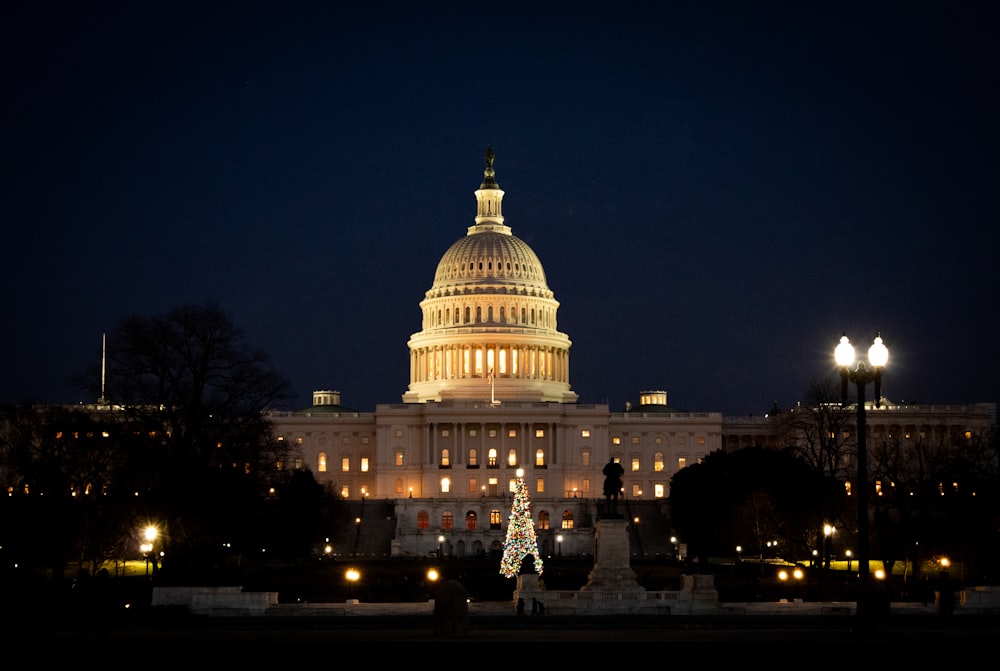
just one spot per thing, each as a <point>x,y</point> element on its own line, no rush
<point>717,191</point>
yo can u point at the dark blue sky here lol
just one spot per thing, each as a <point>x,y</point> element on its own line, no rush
<point>716,190</point>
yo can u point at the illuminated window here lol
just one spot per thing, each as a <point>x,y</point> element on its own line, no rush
<point>635,440</point>
<point>472,433</point>
<point>445,458</point>
<point>399,433</point>
<point>423,520</point>
<point>512,457</point>
<point>399,457</point>
<point>658,461</point>
<point>701,440</point>
<point>567,519</point>
<point>492,457</point>
<point>473,486</point>
<point>539,457</point>
<point>543,519</point>
<point>586,457</point>
<point>364,464</point>
<point>540,485</point>
<point>512,433</point>
<point>345,492</point>
<point>345,464</point>
<point>473,457</point>
<point>447,520</point>
<point>495,519</point>
<point>445,485</point>
<point>659,491</point>
<point>635,464</point>
<point>444,433</point>
<point>585,433</point>
<point>512,485</point>
<point>470,521</point>
<point>636,491</point>
<point>321,465</point>
<point>616,441</point>
<point>681,462</point>
<point>493,433</point>
<point>539,433</point>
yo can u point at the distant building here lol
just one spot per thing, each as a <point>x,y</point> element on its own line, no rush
<point>490,393</point>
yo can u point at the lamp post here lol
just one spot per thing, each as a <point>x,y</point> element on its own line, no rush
<point>149,547</point>
<point>861,375</point>
<point>559,540</point>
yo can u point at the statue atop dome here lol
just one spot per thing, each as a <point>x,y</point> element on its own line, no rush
<point>489,181</point>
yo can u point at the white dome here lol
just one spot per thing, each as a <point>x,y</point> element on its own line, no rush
<point>489,319</point>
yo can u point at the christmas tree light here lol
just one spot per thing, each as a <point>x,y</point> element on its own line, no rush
<point>521,540</point>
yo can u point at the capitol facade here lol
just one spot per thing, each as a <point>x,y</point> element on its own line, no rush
<point>490,396</point>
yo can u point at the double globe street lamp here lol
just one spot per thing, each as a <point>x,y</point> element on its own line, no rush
<point>861,375</point>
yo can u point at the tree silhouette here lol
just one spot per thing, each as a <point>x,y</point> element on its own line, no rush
<point>203,453</point>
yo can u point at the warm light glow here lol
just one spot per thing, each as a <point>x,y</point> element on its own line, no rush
<point>879,574</point>
<point>149,533</point>
<point>433,575</point>
<point>520,472</point>
<point>782,575</point>
<point>352,574</point>
<point>797,573</point>
<point>878,354</point>
<point>844,354</point>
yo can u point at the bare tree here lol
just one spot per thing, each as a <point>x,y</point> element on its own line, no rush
<point>197,394</point>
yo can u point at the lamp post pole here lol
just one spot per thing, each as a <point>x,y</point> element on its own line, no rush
<point>861,375</point>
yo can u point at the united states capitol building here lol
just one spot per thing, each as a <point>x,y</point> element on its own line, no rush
<point>489,395</point>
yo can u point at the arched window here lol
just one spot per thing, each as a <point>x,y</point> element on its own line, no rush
<point>473,457</point>
<point>567,519</point>
<point>470,520</point>
<point>447,520</point>
<point>423,520</point>
<point>495,519</point>
<point>445,458</point>
<point>543,519</point>
<point>492,457</point>
<point>512,457</point>
<point>321,465</point>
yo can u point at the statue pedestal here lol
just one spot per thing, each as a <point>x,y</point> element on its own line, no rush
<point>612,569</point>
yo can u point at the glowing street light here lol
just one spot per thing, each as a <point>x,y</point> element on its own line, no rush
<point>352,575</point>
<point>147,548</point>
<point>861,375</point>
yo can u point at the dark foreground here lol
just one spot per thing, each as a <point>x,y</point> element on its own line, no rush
<point>703,642</point>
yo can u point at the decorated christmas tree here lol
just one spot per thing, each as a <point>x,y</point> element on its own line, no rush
<point>521,540</point>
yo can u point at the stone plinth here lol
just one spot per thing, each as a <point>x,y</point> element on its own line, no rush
<point>612,568</point>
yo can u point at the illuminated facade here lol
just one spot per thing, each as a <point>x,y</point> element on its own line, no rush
<point>490,393</point>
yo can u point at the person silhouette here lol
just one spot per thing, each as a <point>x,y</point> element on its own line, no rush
<point>613,473</point>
